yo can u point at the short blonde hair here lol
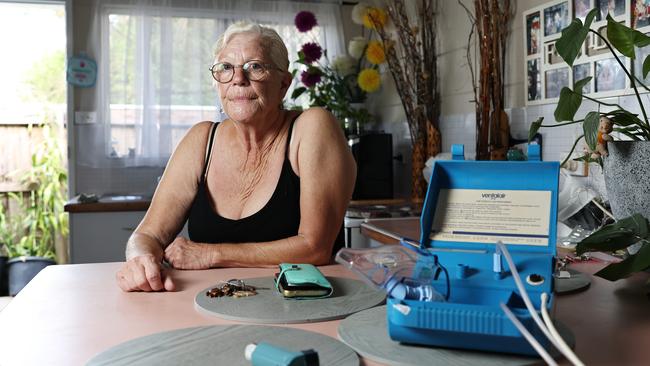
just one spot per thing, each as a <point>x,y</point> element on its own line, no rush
<point>271,41</point>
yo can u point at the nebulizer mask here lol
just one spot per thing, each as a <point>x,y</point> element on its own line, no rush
<point>403,273</point>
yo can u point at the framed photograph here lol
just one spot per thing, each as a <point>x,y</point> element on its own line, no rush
<point>641,54</point>
<point>613,7</point>
<point>534,80</point>
<point>580,72</point>
<point>533,33</point>
<point>552,57</point>
<point>609,75</point>
<point>556,80</point>
<point>640,13</point>
<point>581,8</point>
<point>556,18</point>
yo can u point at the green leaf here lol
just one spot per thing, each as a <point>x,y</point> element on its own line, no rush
<point>634,263</point>
<point>590,128</point>
<point>580,84</point>
<point>624,39</point>
<point>618,235</point>
<point>568,105</point>
<point>624,118</point>
<point>298,92</point>
<point>573,36</point>
<point>534,127</point>
<point>646,66</point>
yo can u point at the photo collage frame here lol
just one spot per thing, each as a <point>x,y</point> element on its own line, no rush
<point>547,73</point>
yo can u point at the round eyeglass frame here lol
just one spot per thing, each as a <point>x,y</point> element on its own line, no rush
<point>244,67</point>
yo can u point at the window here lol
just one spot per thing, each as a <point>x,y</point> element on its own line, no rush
<point>156,81</point>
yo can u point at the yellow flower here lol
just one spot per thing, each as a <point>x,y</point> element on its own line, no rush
<point>375,53</point>
<point>374,15</point>
<point>369,80</point>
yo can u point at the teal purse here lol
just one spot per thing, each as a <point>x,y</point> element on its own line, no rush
<point>302,281</point>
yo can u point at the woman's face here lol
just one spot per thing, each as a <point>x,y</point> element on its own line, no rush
<point>242,99</point>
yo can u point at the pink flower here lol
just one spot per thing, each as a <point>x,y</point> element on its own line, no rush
<point>305,21</point>
<point>311,52</point>
<point>311,77</point>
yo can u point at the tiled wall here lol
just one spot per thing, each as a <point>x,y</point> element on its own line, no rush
<point>461,129</point>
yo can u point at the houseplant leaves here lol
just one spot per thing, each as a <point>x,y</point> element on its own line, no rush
<point>590,128</point>
<point>617,236</point>
<point>624,39</point>
<point>570,101</point>
<point>573,36</point>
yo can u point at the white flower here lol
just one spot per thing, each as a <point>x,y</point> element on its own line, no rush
<point>344,65</point>
<point>358,11</point>
<point>356,47</point>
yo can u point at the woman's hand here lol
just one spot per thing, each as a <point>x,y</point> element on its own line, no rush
<point>185,254</point>
<point>143,273</point>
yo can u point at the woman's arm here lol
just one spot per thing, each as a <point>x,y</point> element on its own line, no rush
<point>320,156</point>
<point>166,215</point>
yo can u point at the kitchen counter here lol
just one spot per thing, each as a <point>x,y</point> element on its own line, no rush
<point>109,204</point>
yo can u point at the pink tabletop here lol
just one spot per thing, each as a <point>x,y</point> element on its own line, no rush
<point>69,313</point>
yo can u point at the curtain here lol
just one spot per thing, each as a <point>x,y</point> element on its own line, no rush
<point>154,82</point>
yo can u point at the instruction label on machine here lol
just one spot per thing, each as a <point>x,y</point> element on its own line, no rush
<point>486,216</point>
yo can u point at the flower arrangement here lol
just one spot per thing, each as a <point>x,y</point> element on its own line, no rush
<point>343,83</point>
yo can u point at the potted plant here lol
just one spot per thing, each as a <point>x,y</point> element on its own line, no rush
<point>625,163</point>
<point>34,232</point>
<point>5,238</point>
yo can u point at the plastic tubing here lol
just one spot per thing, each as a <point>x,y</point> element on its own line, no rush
<point>529,337</point>
<point>564,348</point>
<point>524,294</point>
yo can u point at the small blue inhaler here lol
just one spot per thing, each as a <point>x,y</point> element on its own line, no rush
<point>264,354</point>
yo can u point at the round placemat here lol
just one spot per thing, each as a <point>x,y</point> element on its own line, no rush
<point>221,345</point>
<point>367,333</point>
<point>270,307</point>
<point>578,281</point>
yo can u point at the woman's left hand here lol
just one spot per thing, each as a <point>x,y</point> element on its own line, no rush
<point>185,254</point>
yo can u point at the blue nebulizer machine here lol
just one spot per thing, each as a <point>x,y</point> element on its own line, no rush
<point>450,288</point>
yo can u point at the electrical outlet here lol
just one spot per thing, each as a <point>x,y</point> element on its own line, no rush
<point>85,118</point>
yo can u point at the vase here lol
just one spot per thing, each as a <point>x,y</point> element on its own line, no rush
<point>353,125</point>
<point>627,176</point>
<point>418,158</point>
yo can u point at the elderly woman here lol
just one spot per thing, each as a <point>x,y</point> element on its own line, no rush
<point>265,186</point>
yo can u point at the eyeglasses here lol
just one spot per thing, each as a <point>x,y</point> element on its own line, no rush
<point>223,72</point>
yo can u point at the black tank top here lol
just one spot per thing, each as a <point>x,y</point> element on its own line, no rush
<point>278,219</point>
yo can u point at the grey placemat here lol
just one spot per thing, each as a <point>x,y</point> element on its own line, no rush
<point>367,334</point>
<point>221,345</point>
<point>577,281</point>
<point>270,307</point>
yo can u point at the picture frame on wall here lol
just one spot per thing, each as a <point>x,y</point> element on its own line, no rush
<point>556,18</point>
<point>609,75</point>
<point>580,72</point>
<point>640,13</point>
<point>581,8</point>
<point>613,7</point>
<point>555,80</point>
<point>534,80</point>
<point>533,33</point>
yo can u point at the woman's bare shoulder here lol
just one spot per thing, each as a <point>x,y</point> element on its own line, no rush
<point>316,119</point>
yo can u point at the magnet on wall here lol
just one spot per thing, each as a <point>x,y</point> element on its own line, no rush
<point>81,71</point>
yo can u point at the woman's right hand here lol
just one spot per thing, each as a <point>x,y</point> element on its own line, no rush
<point>144,273</point>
